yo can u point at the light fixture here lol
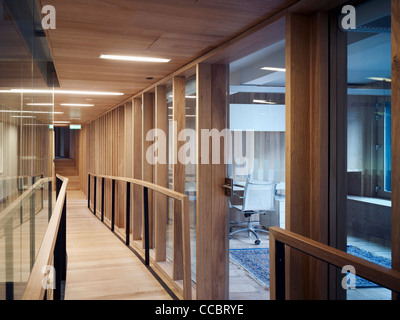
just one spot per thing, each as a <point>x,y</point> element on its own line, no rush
<point>274,69</point>
<point>83,93</point>
<point>380,79</point>
<point>41,104</point>
<point>187,97</point>
<point>133,58</point>
<point>23,117</point>
<point>26,111</point>
<point>62,122</point>
<point>263,102</point>
<point>76,105</point>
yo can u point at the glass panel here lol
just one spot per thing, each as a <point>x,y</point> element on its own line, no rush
<point>26,142</point>
<point>170,177</point>
<point>369,138</point>
<point>257,124</point>
<point>191,165</point>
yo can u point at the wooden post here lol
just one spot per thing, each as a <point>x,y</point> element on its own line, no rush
<point>137,169</point>
<point>147,167</point>
<point>212,234</point>
<point>179,176</point>
<point>307,148</point>
<point>161,175</point>
<point>129,153</point>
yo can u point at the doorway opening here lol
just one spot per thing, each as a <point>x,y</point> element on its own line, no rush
<point>257,169</point>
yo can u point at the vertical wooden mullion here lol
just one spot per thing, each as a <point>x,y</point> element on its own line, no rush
<point>137,169</point>
<point>147,168</point>
<point>128,142</point>
<point>179,176</point>
<point>160,178</point>
<point>212,239</point>
<point>203,174</point>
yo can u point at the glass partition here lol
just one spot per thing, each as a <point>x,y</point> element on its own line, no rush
<point>368,151</point>
<point>190,168</point>
<point>26,142</point>
<point>257,125</point>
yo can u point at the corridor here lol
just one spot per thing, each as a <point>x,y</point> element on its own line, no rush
<point>100,266</point>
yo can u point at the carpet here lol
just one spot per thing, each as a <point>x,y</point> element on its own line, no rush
<point>256,261</point>
<point>361,282</point>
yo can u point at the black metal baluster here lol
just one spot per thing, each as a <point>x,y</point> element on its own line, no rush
<point>280,270</point>
<point>88,198</point>
<point>128,212</point>
<point>146,225</point>
<point>94,194</point>
<point>112,205</point>
<point>60,249</point>
<point>50,200</point>
<point>102,199</point>
<point>32,227</point>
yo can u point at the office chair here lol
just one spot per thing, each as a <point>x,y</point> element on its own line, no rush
<point>258,198</point>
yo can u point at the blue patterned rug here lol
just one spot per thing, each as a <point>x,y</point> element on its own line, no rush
<point>361,282</point>
<point>256,261</point>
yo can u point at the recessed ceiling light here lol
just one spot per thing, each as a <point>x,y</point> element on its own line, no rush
<point>380,79</point>
<point>76,105</point>
<point>83,93</point>
<point>26,111</point>
<point>274,69</point>
<point>62,122</point>
<point>263,102</point>
<point>187,97</point>
<point>23,117</point>
<point>133,58</point>
<point>40,104</point>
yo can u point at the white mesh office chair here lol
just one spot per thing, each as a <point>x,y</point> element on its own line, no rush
<point>258,198</point>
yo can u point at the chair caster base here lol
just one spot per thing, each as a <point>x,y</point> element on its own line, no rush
<point>257,242</point>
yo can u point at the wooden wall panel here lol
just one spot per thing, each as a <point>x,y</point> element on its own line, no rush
<point>212,235</point>
<point>147,167</point>
<point>137,170</point>
<point>179,113</point>
<point>306,149</point>
<point>161,175</point>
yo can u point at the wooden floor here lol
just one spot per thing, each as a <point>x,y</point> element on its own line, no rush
<point>100,266</point>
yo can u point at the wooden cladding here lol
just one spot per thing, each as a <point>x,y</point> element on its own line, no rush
<point>306,147</point>
<point>212,224</point>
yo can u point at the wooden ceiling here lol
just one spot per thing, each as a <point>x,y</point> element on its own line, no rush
<point>180,30</point>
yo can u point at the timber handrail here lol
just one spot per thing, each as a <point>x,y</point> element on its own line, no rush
<point>35,289</point>
<point>155,187</point>
<point>182,198</point>
<point>10,208</point>
<point>378,274</point>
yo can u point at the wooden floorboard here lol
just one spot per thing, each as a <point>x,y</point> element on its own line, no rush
<point>100,266</point>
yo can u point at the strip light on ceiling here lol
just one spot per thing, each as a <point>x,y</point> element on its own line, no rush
<point>263,102</point>
<point>274,69</point>
<point>133,58</point>
<point>26,111</point>
<point>41,104</point>
<point>83,93</point>
<point>76,105</point>
<point>380,79</point>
